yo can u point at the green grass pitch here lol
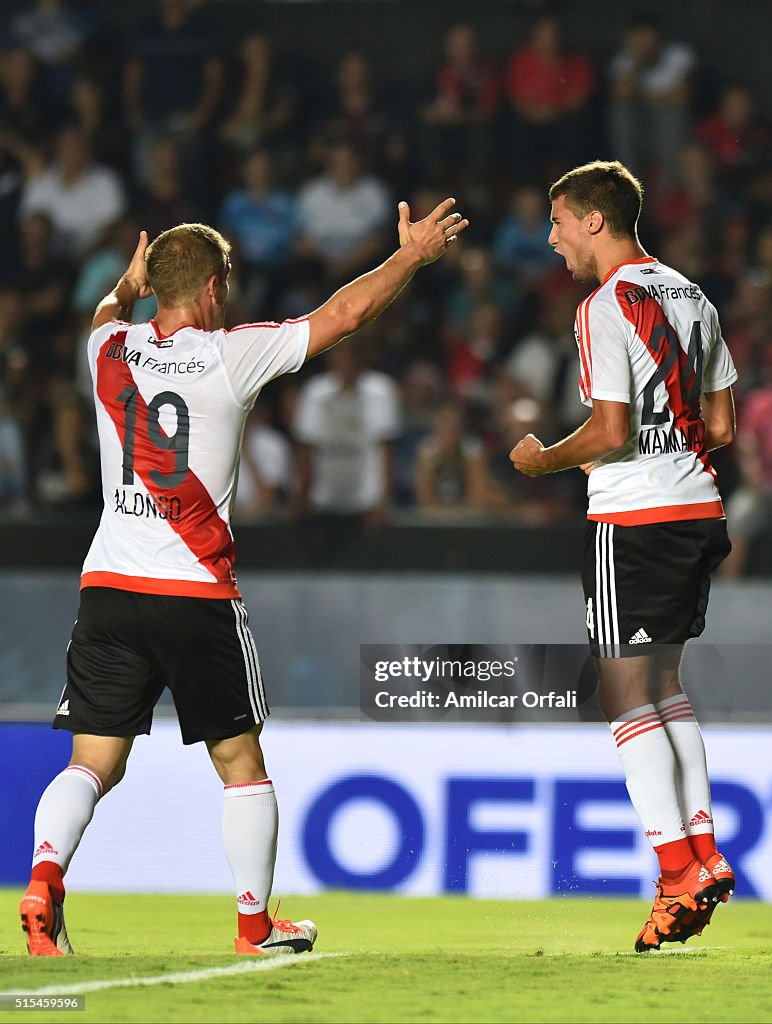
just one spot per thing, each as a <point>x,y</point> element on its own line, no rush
<point>450,959</point>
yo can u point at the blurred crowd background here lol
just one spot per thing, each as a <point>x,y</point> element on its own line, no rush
<point>182,114</point>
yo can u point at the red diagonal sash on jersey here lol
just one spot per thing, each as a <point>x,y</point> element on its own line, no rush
<point>645,315</point>
<point>200,526</point>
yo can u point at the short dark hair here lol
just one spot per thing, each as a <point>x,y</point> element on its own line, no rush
<point>607,186</point>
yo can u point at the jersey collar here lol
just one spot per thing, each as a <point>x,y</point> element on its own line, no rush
<point>163,337</point>
<point>628,263</point>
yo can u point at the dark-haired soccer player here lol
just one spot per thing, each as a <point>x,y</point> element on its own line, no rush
<point>159,601</point>
<point>657,374</point>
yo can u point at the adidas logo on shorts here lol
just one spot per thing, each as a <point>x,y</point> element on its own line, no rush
<point>641,637</point>
<point>64,708</point>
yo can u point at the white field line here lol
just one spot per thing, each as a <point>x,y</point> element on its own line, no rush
<point>178,978</point>
<point>670,952</point>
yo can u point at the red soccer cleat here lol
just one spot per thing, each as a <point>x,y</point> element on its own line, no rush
<point>43,922</point>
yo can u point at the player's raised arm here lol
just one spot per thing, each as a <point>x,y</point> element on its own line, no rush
<point>361,301</point>
<point>119,304</point>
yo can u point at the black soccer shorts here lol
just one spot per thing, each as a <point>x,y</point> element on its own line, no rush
<point>127,647</point>
<point>646,585</point>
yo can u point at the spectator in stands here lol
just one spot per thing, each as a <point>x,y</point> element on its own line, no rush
<point>519,416</point>
<point>69,474</point>
<point>456,132</point>
<point>104,267</point>
<point>749,510</point>
<point>421,391</point>
<point>763,252</point>
<point>100,121</point>
<point>476,284</point>
<point>451,473</point>
<point>686,247</point>
<point>266,472</point>
<point>345,424</point>
<point>11,181</point>
<point>20,400</point>
<point>43,280</point>
<point>265,105</point>
<point>262,219</point>
<point>356,113</point>
<point>341,215</point>
<point>81,198</point>
<point>13,358</point>
<point>697,197</point>
<point>738,140</point>
<point>26,111</point>
<point>545,362</point>
<point>13,459</point>
<point>54,30</point>
<point>549,87</point>
<point>163,202</point>
<point>471,353</point>
<point>173,84</point>
<point>519,244</point>
<point>651,81</point>
<point>747,323</point>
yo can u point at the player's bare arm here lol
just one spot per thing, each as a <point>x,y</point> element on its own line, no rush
<point>119,304</point>
<point>361,301</point>
<point>718,413</point>
<point>606,431</point>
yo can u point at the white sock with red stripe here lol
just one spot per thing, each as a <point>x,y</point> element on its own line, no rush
<point>250,825</point>
<point>685,737</point>
<point>65,809</point>
<point>650,769</point>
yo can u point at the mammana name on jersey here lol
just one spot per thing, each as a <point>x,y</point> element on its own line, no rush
<point>142,506</point>
<point>673,439</point>
<point>134,357</point>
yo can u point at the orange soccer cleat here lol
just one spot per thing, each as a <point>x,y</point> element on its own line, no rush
<point>43,922</point>
<point>677,907</point>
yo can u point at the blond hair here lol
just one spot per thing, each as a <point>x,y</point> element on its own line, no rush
<point>181,260</point>
<point>606,186</point>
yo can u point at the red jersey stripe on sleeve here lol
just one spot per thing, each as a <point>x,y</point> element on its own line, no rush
<point>272,324</point>
<point>583,340</point>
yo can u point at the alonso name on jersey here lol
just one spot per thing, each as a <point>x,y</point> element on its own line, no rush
<point>649,337</point>
<point>170,425</point>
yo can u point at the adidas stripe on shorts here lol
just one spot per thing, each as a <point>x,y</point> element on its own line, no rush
<point>127,647</point>
<point>646,585</point>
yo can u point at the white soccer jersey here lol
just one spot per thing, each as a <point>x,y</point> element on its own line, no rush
<point>170,416</point>
<point>649,337</point>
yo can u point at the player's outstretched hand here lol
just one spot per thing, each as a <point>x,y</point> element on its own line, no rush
<point>525,456</point>
<point>136,275</point>
<point>434,234</point>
